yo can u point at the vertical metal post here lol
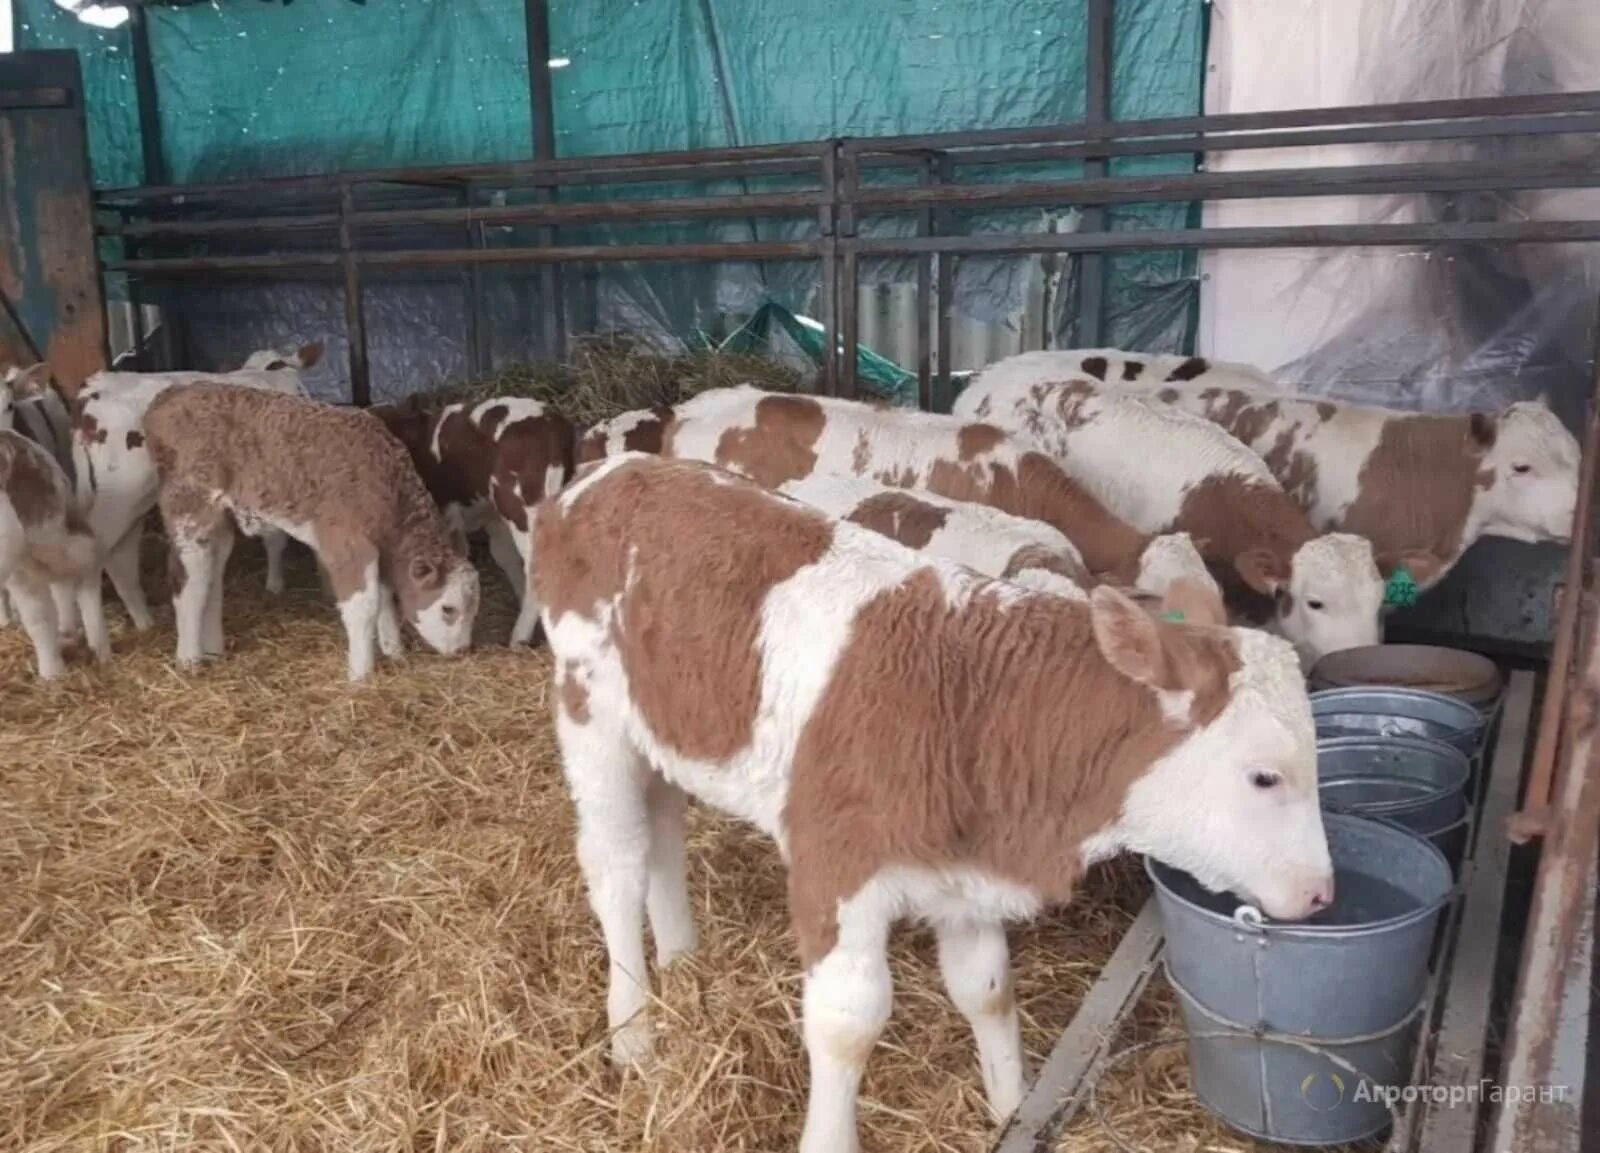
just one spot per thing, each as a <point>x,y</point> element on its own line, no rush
<point>943,293</point>
<point>1097,111</point>
<point>849,288</point>
<point>354,315</point>
<point>542,103</point>
<point>155,172</point>
<point>479,355</point>
<point>829,291</point>
<point>925,300</point>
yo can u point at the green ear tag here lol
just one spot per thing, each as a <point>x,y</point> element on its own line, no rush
<point>1401,590</point>
<point>1174,615</point>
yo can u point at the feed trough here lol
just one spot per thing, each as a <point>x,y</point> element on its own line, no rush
<point>1348,981</point>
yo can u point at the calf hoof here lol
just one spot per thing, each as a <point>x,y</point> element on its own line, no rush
<point>633,1045</point>
<point>534,640</point>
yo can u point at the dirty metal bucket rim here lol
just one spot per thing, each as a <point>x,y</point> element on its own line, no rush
<point>1324,701</point>
<point>1299,929</point>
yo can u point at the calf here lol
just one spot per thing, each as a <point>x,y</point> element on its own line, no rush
<point>997,544</point>
<point>46,552</point>
<point>116,479</point>
<point>1322,592</point>
<point>1410,482</point>
<point>774,438</point>
<point>30,406</point>
<point>487,465</point>
<point>333,479</point>
<point>921,742</point>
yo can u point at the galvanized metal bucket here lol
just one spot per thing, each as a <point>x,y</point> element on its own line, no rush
<point>1469,677</point>
<point>1398,712</point>
<point>1413,782</point>
<point>1349,981</point>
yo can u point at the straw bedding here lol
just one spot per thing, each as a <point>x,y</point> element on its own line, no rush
<point>255,908</point>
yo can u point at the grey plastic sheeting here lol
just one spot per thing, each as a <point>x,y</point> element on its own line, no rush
<point>262,89</point>
<point>1442,328</point>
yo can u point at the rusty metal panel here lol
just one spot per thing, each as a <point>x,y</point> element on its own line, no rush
<point>49,273</point>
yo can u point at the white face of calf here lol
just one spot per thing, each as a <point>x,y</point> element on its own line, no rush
<point>17,383</point>
<point>445,622</point>
<point>1235,805</point>
<point>1331,598</point>
<point>1535,489</point>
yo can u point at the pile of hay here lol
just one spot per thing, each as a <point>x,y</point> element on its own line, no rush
<point>612,373</point>
<point>257,908</point>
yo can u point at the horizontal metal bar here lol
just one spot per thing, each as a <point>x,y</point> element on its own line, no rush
<point>597,168</point>
<point>1213,142</point>
<point>665,208</point>
<point>1347,180</point>
<point>1348,114</point>
<point>423,258</point>
<point>25,98</point>
<point>1283,236</point>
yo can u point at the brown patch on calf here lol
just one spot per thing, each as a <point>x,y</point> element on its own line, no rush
<point>1037,557</point>
<point>781,447</point>
<point>687,634</point>
<point>1296,471</point>
<point>1251,421</point>
<point>1095,366</point>
<point>1168,395</point>
<point>1189,369</point>
<point>1230,516</point>
<point>1416,489</point>
<point>861,457</point>
<point>1007,743</point>
<point>90,429</point>
<point>28,478</point>
<point>574,696</point>
<point>973,440</point>
<point>1040,490</point>
<point>1326,411</point>
<point>1131,369</point>
<point>135,439</point>
<point>900,516</point>
<point>524,455</point>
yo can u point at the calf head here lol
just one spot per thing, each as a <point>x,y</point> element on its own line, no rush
<point>439,597</point>
<point>1327,595</point>
<point>1529,485</point>
<point>1234,803</point>
<point>277,360</point>
<point>1173,557</point>
<point>18,383</point>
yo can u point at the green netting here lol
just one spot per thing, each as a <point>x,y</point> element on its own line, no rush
<point>107,61</point>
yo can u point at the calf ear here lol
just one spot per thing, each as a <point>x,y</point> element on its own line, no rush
<point>1482,428</point>
<point>425,574</point>
<point>1127,637</point>
<point>1261,570</point>
<point>29,381</point>
<point>1194,603</point>
<point>309,354</point>
<point>1424,567</point>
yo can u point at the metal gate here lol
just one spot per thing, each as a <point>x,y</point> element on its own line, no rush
<point>51,306</point>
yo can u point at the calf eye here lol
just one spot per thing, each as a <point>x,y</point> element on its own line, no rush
<point>1521,469</point>
<point>1262,779</point>
<point>1313,603</point>
<point>449,613</point>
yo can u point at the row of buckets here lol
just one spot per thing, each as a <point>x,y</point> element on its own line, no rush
<point>1302,1033</point>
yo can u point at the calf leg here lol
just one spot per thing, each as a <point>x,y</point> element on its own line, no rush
<point>69,626</point>
<point>609,788</point>
<point>360,610</point>
<point>667,901</point>
<point>5,610</point>
<point>221,549</point>
<point>977,972</point>
<point>190,565</point>
<point>122,566</point>
<point>92,609</point>
<point>275,543</point>
<point>390,643</point>
<point>37,611</point>
<point>847,1001</point>
<point>503,547</point>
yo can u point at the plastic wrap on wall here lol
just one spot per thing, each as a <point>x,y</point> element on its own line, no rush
<point>1444,328</point>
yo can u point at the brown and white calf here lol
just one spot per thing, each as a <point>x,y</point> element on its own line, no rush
<point>46,552</point>
<point>1167,471</point>
<point>921,742</point>
<point>116,479</point>
<point>1407,481</point>
<point>993,543</point>
<point>334,479</point>
<point>775,438</point>
<point>487,465</point>
<point>30,406</point>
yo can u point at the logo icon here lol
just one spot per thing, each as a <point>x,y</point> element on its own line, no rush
<point>1322,1099</point>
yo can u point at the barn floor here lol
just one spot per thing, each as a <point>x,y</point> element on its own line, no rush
<point>257,908</point>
